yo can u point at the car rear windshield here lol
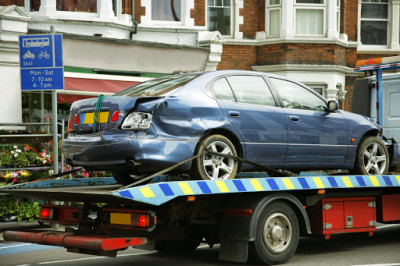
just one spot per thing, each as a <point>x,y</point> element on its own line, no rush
<point>157,87</point>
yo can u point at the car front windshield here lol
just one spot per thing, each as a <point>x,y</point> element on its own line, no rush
<point>157,87</point>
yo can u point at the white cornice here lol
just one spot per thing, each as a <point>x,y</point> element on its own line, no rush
<point>306,68</point>
<point>262,42</point>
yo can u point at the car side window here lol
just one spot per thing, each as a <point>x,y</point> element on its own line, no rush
<point>251,89</point>
<point>223,91</point>
<point>297,97</point>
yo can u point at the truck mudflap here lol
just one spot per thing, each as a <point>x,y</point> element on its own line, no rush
<point>92,244</point>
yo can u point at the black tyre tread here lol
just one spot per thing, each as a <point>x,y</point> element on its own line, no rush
<point>122,177</point>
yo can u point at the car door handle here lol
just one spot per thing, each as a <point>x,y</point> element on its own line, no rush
<point>294,118</point>
<point>234,113</point>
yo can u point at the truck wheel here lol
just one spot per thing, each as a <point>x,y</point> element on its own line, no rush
<point>176,246</point>
<point>213,167</point>
<point>277,235</point>
<point>372,157</point>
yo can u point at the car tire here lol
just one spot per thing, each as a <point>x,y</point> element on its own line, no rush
<point>122,177</point>
<point>277,235</point>
<point>372,157</point>
<point>213,167</point>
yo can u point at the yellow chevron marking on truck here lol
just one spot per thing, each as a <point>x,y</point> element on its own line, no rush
<point>374,181</point>
<point>222,186</point>
<point>398,179</point>
<point>256,184</point>
<point>347,181</point>
<point>318,182</point>
<point>147,192</point>
<point>185,188</point>
<point>288,183</point>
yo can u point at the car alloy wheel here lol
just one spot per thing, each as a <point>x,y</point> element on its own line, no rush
<point>372,157</point>
<point>214,167</point>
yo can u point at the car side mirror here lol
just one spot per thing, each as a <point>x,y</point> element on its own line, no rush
<point>333,106</point>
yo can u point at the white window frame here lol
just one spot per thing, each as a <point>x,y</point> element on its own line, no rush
<point>105,11</point>
<point>304,6</point>
<point>147,20</point>
<point>269,8</point>
<point>232,7</point>
<point>388,30</point>
<point>318,86</point>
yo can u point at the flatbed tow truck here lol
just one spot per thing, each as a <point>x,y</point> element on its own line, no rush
<point>254,217</point>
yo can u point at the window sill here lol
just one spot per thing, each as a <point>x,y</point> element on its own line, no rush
<point>124,20</point>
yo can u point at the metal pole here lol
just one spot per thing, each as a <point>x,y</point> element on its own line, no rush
<point>54,123</point>
<point>62,138</point>
<point>379,105</point>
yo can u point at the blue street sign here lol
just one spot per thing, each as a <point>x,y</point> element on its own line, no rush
<point>41,62</point>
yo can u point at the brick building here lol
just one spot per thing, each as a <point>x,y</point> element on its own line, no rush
<point>314,41</point>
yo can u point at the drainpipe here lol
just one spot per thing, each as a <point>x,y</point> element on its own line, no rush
<point>134,22</point>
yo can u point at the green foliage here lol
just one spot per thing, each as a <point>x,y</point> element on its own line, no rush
<point>22,210</point>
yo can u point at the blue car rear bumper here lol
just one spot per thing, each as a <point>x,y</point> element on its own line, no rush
<point>112,150</point>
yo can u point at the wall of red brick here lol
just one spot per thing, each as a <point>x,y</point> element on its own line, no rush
<point>250,18</point>
<point>12,2</point>
<point>349,18</point>
<point>238,57</point>
<point>199,13</point>
<point>139,10</point>
<point>295,53</point>
<point>127,7</point>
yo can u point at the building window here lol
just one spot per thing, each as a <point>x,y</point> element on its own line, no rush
<point>274,18</point>
<point>320,89</point>
<point>166,10</point>
<point>219,16</point>
<point>310,17</point>
<point>374,22</point>
<point>77,5</point>
<point>34,5</point>
<point>338,16</point>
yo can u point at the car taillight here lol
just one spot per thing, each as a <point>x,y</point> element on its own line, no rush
<point>70,129</point>
<point>76,119</point>
<point>115,116</point>
<point>46,214</point>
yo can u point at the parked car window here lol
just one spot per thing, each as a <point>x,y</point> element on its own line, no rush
<point>297,97</point>
<point>251,89</point>
<point>157,87</point>
<point>223,91</point>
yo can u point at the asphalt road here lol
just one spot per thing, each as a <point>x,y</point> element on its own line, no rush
<point>382,249</point>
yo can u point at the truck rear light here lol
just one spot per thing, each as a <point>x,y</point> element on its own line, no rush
<point>46,214</point>
<point>131,219</point>
<point>135,219</point>
<point>115,116</point>
<point>142,220</point>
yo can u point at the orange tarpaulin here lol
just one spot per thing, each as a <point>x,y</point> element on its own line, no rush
<point>90,85</point>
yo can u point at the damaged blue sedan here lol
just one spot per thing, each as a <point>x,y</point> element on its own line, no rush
<point>267,119</point>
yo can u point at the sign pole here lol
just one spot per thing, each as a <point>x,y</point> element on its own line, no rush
<point>54,122</point>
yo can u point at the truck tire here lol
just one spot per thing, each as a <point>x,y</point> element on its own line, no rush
<point>372,157</point>
<point>213,167</point>
<point>277,235</point>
